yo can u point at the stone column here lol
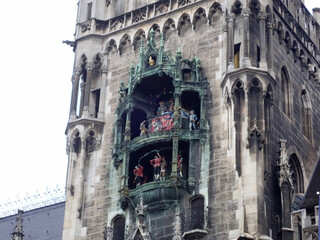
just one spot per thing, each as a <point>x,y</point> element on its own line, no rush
<point>270,47</point>
<point>286,186</point>
<point>262,21</point>
<point>175,150</point>
<point>82,88</point>
<point>176,114</point>
<point>225,47</point>
<point>246,60</point>
<point>203,101</point>
<point>104,72</point>
<point>231,19</point>
<point>87,90</point>
<point>75,88</point>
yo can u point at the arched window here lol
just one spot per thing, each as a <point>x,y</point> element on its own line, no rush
<point>306,115</point>
<point>118,228</point>
<point>297,176</point>
<point>285,92</point>
<point>197,212</point>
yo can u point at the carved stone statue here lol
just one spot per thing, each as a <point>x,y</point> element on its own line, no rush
<point>163,169</point>
<point>122,92</point>
<point>143,128</point>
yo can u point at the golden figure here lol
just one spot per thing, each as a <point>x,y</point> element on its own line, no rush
<point>151,61</point>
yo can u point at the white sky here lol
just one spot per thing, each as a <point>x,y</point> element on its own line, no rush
<point>36,70</point>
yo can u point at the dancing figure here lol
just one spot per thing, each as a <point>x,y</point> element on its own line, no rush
<point>157,125</point>
<point>156,163</point>
<point>163,169</point>
<point>162,108</point>
<point>192,120</point>
<point>138,173</point>
<point>143,128</point>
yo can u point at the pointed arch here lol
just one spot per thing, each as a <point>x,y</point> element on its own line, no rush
<point>255,95</point>
<point>98,60</point>
<point>295,50</point>
<point>287,41</point>
<point>76,141</point>
<point>236,7</point>
<point>184,23</point>
<point>255,7</point>
<point>214,11</point>
<point>303,60</point>
<point>119,227</point>
<point>285,92</point>
<point>156,29</point>
<point>125,41</point>
<point>306,114</point>
<point>238,96</point>
<point>169,25</point>
<point>280,32</point>
<point>83,60</point>
<point>297,174</point>
<point>139,35</point>
<point>90,140</point>
<point>199,19</point>
<point>111,46</point>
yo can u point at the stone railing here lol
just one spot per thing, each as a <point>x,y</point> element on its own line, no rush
<point>95,26</point>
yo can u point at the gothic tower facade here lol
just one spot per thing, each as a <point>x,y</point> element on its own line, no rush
<point>191,119</point>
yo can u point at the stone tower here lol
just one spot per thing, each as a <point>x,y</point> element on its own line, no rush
<point>191,119</point>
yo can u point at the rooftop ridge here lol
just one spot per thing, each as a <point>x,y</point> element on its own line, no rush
<point>30,202</point>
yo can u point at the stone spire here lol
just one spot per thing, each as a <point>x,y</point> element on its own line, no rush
<point>18,229</point>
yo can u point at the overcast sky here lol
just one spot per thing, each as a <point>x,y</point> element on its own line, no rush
<point>36,70</point>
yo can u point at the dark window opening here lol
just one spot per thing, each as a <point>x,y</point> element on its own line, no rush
<point>118,228</point>
<point>96,98</point>
<point>285,92</point>
<point>197,213</point>
<point>258,56</point>
<point>76,143</point>
<point>237,55</point>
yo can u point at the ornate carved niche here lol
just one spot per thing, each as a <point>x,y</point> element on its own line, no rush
<point>139,15</point>
<point>76,143</point>
<point>162,6</point>
<point>183,2</point>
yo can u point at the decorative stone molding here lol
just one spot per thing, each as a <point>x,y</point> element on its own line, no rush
<point>285,175</point>
<point>139,15</point>
<point>177,228</point>
<point>183,2</point>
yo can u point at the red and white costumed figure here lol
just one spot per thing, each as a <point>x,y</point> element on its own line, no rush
<point>156,163</point>
<point>138,173</point>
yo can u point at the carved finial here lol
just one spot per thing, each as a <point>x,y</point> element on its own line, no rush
<point>141,209</point>
<point>161,40</point>
<point>179,52</point>
<point>285,175</point>
<point>152,35</point>
<point>141,47</point>
<point>132,68</point>
<point>177,228</point>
